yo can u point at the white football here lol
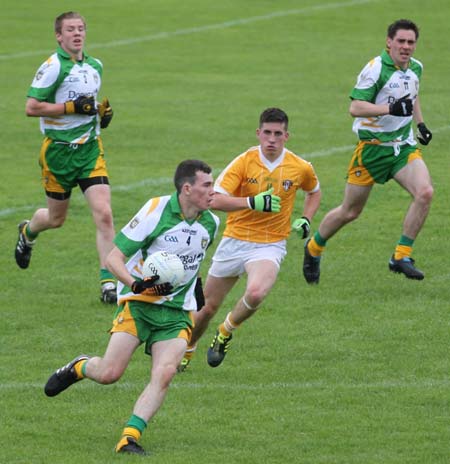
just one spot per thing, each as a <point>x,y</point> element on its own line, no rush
<point>168,266</point>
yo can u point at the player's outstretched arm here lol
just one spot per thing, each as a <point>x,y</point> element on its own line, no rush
<point>265,202</point>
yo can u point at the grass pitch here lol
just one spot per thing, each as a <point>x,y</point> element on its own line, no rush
<point>355,370</point>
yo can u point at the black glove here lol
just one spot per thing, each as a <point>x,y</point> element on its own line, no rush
<point>302,226</point>
<point>199,296</point>
<point>424,136</point>
<point>106,113</point>
<point>81,105</point>
<point>148,287</point>
<point>401,107</point>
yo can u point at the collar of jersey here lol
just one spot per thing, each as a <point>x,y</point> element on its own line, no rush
<point>386,58</point>
<point>176,208</point>
<point>175,204</point>
<point>61,52</point>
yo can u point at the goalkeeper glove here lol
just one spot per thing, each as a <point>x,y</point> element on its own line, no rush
<point>81,105</point>
<point>401,107</point>
<point>424,135</point>
<point>148,287</point>
<point>265,202</point>
<point>302,226</point>
<point>106,113</point>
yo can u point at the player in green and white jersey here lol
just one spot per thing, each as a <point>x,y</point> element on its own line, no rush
<point>157,316</point>
<point>385,102</point>
<point>165,229</point>
<point>63,95</point>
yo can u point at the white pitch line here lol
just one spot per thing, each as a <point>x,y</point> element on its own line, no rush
<point>199,29</point>
<point>167,35</point>
<point>163,181</point>
<point>388,384</point>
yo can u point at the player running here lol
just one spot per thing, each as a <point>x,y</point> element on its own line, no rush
<point>63,95</point>
<point>156,316</point>
<point>257,190</point>
<point>385,100</point>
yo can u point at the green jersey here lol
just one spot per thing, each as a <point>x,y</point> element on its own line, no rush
<point>61,79</point>
<point>382,82</point>
<point>160,226</point>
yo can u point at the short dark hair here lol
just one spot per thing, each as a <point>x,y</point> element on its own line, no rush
<point>402,24</point>
<point>274,115</point>
<point>186,172</point>
<point>67,15</point>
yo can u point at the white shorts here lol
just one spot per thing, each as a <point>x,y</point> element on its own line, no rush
<point>232,255</point>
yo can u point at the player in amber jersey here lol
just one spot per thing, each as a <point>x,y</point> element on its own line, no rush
<point>252,173</point>
<point>257,190</point>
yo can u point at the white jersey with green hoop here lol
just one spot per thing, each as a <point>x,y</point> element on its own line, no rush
<point>160,226</point>
<point>60,79</point>
<point>382,82</point>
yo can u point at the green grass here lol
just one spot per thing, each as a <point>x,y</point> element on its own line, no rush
<point>355,370</point>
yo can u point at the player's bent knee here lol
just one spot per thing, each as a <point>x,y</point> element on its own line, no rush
<point>353,214</point>
<point>56,222</point>
<point>110,375</point>
<point>426,194</point>
<point>105,217</point>
<point>254,296</point>
<point>164,374</point>
<point>209,310</point>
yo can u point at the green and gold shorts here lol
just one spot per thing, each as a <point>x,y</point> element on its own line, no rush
<point>152,323</point>
<point>374,163</point>
<point>64,165</point>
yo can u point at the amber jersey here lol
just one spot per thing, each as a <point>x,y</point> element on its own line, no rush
<point>251,173</point>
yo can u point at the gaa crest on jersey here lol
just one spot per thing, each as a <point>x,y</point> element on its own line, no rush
<point>287,184</point>
<point>204,243</point>
<point>134,223</point>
